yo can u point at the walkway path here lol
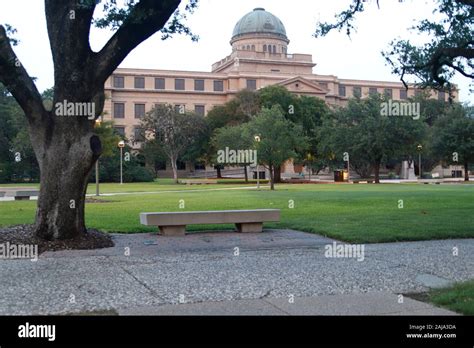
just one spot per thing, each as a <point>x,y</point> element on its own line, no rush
<point>230,273</point>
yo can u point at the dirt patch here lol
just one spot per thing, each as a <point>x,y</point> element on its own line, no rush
<point>419,296</point>
<point>23,234</point>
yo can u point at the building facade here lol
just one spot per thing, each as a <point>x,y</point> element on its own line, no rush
<point>259,58</point>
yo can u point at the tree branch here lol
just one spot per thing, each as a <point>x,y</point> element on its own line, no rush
<point>69,23</point>
<point>15,78</point>
<point>144,20</point>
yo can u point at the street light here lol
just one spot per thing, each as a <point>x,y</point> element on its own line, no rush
<point>419,148</point>
<point>257,139</point>
<point>121,145</point>
<point>97,193</point>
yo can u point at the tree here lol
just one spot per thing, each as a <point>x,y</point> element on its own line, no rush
<point>450,48</point>
<point>368,136</point>
<point>453,138</point>
<point>171,131</point>
<point>280,139</point>
<point>17,158</point>
<point>66,147</point>
<point>235,112</point>
<point>233,137</point>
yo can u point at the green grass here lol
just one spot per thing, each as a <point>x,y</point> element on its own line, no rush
<point>354,213</point>
<point>459,298</point>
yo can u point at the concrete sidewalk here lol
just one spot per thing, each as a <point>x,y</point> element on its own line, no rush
<point>232,273</point>
<point>376,303</point>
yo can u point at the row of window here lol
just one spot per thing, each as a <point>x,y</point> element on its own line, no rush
<point>119,110</point>
<point>266,48</point>
<point>160,83</point>
<point>357,92</point>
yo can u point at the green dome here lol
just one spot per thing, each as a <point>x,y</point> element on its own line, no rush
<point>257,22</point>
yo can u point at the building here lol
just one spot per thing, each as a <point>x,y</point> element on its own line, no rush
<point>260,57</point>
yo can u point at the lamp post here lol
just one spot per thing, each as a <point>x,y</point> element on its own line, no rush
<point>257,139</point>
<point>121,145</point>
<point>97,192</point>
<point>419,148</point>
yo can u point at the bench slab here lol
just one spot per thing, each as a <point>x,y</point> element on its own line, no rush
<point>174,223</point>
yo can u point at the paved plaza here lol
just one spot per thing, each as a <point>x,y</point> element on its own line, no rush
<point>277,272</point>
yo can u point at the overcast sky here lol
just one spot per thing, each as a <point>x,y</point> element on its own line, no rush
<point>214,20</point>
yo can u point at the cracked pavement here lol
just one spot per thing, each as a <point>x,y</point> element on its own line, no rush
<point>232,273</point>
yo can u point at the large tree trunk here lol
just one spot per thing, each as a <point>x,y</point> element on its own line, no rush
<point>174,166</point>
<point>277,174</point>
<point>272,177</point>
<point>377,172</point>
<point>66,158</point>
<point>219,172</point>
<point>466,171</point>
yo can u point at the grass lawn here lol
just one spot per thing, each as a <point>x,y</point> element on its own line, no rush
<point>458,298</point>
<point>353,213</point>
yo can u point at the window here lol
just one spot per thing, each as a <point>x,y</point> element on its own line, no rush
<point>119,110</point>
<point>264,48</point>
<point>342,90</point>
<point>179,84</point>
<point>199,85</point>
<point>120,131</point>
<point>403,94</point>
<point>248,47</point>
<point>274,49</point>
<point>373,90</point>
<point>388,92</point>
<point>159,83</point>
<point>139,82</point>
<point>139,110</point>
<point>200,166</point>
<point>417,92</point>
<point>441,96</point>
<point>252,85</point>
<point>218,86</point>
<point>137,134</point>
<point>119,82</point>
<point>180,108</point>
<point>357,92</point>
<point>253,47</point>
<point>200,110</point>
<point>324,85</point>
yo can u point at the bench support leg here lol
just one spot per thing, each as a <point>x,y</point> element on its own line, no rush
<point>173,230</point>
<point>250,227</point>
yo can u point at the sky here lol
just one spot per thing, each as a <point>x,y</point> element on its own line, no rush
<point>358,57</point>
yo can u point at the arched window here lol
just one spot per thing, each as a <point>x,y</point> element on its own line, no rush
<point>274,49</point>
<point>264,48</point>
<point>253,47</point>
<point>248,47</point>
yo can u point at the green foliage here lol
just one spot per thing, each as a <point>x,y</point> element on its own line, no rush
<point>454,133</point>
<point>118,12</point>
<point>134,170</point>
<point>367,136</point>
<point>108,137</point>
<point>15,143</point>
<point>280,139</point>
<point>448,50</point>
<point>170,132</point>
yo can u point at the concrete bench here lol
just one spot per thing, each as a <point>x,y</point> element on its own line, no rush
<point>198,182</point>
<point>174,223</point>
<point>20,195</point>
